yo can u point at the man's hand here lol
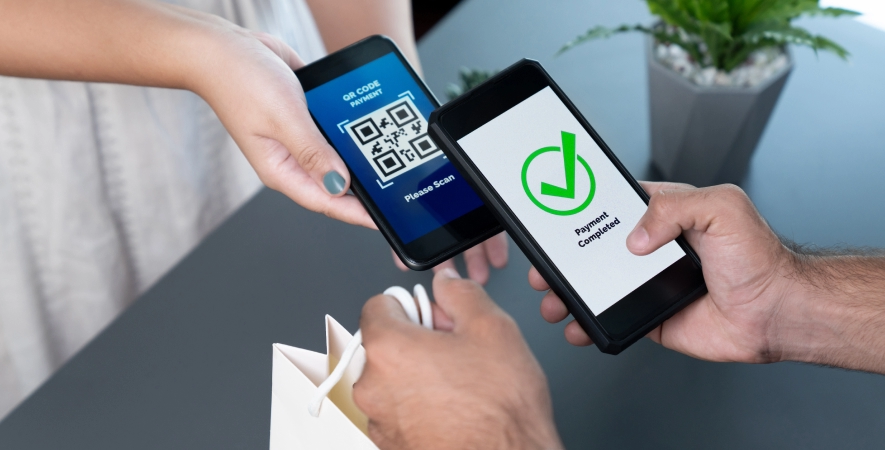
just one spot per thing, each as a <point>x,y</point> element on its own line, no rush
<point>748,271</point>
<point>470,384</point>
<point>493,252</point>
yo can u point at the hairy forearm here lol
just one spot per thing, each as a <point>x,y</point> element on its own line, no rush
<point>835,311</point>
<point>118,41</point>
<point>343,22</point>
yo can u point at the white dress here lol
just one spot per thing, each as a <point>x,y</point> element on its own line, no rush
<point>103,188</point>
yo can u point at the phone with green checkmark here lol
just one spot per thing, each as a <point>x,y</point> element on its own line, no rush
<point>568,202</point>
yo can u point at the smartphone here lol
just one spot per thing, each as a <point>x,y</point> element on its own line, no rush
<point>373,108</point>
<point>568,203</point>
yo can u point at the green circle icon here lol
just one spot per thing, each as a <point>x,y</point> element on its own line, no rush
<point>525,184</point>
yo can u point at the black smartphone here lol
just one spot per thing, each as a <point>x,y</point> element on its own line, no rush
<point>372,108</point>
<point>567,202</point>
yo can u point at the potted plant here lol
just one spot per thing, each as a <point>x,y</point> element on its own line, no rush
<point>715,71</point>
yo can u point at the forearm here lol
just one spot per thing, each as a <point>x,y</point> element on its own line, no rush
<point>123,41</point>
<point>835,312</point>
<point>344,22</point>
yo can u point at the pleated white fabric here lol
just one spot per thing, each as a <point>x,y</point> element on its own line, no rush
<point>103,188</point>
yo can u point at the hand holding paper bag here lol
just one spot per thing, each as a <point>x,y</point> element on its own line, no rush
<point>469,383</point>
<point>303,379</point>
<point>472,383</point>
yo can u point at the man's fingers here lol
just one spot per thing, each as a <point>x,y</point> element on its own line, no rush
<point>447,264</point>
<point>576,335</point>
<point>655,335</point>
<point>670,212</point>
<point>441,320</point>
<point>462,300</point>
<point>536,281</point>
<point>383,313</point>
<point>552,308</point>
<point>654,186</point>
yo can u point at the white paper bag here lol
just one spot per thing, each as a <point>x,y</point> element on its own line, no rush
<point>296,375</point>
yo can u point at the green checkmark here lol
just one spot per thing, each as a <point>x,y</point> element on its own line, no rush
<point>568,159</point>
<point>569,156</point>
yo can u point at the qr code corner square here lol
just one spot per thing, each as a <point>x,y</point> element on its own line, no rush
<point>393,139</point>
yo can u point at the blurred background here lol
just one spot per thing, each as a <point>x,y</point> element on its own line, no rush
<point>427,13</point>
<point>814,176</point>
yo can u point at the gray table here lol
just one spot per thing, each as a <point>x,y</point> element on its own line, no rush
<point>189,365</point>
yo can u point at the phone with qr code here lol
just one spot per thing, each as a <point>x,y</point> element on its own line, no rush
<point>373,108</point>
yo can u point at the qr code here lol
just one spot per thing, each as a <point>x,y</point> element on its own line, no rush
<point>393,139</point>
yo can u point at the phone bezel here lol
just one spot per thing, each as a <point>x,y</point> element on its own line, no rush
<point>474,109</point>
<point>437,245</point>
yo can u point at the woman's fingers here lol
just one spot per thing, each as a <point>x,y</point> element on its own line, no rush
<point>477,262</point>
<point>261,103</point>
<point>300,135</point>
<point>497,250</point>
<point>292,180</point>
<point>281,49</point>
<point>398,262</point>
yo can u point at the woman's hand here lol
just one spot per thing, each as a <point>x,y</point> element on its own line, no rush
<point>248,81</point>
<point>246,77</point>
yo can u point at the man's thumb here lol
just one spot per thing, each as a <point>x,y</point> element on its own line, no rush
<point>383,313</point>
<point>672,211</point>
<point>462,300</point>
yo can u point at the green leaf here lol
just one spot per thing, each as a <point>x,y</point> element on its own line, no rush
<point>794,35</point>
<point>672,13</point>
<point>723,33</point>
<point>833,12</point>
<point>467,80</point>
<point>598,33</point>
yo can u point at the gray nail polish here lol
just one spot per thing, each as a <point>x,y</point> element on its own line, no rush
<point>334,182</point>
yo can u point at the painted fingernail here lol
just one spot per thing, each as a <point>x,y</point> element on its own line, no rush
<point>638,239</point>
<point>334,182</point>
<point>448,272</point>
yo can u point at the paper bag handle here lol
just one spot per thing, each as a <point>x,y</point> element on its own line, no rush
<point>408,303</point>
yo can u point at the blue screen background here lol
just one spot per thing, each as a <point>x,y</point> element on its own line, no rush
<point>413,219</point>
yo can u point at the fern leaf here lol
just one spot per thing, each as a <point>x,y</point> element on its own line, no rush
<point>793,35</point>
<point>595,33</point>
<point>833,12</point>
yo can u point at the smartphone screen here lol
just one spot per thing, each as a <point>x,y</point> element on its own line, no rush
<point>374,112</point>
<point>567,200</point>
<point>569,196</point>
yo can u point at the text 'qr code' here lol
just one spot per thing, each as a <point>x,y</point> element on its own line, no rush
<point>393,139</point>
